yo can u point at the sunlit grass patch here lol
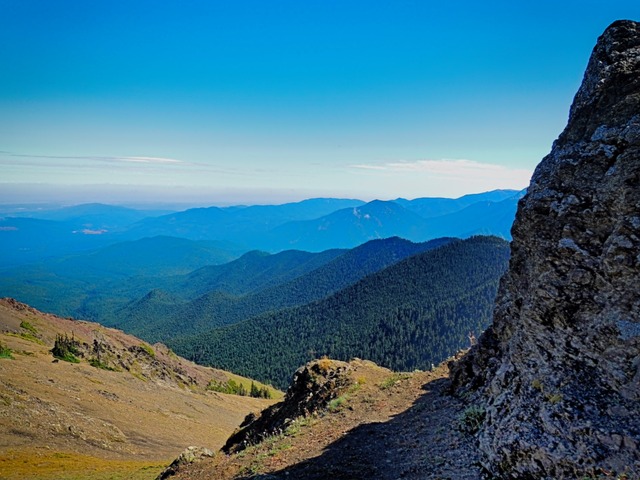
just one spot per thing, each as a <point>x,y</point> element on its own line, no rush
<point>48,465</point>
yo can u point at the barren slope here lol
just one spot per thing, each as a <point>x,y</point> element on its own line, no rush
<point>57,416</point>
<point>384,425</point>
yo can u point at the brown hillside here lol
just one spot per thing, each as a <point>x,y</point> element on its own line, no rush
<point>57,416</point>
<point>379,425</point>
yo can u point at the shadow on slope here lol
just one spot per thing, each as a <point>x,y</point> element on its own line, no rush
<point>422,442</point>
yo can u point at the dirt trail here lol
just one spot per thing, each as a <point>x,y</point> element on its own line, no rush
<point>390,426</point>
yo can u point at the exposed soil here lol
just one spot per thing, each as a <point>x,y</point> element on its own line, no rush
<point>65,420</point>
<point>387,426</point>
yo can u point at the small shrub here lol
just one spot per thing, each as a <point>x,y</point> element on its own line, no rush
<point>27,336</point>
<point>27,326</point>
<point>148,349</point>
<point>324,364</point>
<point>554,398</point>
<point>295,427</point>
<point>337,403</point>
<point>5,352</point>
<point>471,419</point>
<point>230,386</point>
<point>393,380</point>
<point>257,392</point>
<point>94,362</point>
<point>66,348</point>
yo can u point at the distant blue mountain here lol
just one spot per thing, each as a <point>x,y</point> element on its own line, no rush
<point>94,216</point>
<point>349,227</point>
<point>240,224</point>
<point>418,220</point>
<point>25,240</point>
<point>429,207</point>
<point>80,283</point>
<point>313,225</point>
<point>479,218</point>
<point>34,235</point>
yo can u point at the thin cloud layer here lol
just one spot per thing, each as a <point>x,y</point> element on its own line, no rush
<point>460,169</point>
<point>159,160</point>
<point>109,159</point>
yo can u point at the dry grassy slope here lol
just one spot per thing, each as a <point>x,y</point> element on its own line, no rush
<point>385,426</point>
<point>87,422</point>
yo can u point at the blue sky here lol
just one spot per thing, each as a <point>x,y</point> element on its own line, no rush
<point>211,102</point>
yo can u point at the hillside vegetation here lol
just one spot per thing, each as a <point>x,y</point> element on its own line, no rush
<point>160,316</point>
<point>95,261</point>
<point>410,315</point>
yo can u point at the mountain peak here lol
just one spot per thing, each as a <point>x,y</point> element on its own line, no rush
<point>608,94</point>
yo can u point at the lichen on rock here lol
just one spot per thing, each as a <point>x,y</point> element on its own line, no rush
<point>559,370</point>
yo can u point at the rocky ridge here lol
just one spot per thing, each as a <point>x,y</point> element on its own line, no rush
<point>558,373</point>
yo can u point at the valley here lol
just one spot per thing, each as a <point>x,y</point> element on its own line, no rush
<point>410,315</point>
<point>199,291</point>
<point>130,405</point>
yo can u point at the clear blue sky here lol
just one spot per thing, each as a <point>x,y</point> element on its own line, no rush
<point>214,102</point>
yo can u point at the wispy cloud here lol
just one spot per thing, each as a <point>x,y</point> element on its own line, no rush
<point>114,165</point>
<point>443,177</point>
<point>370,167</point>
<point>97,158</point>
<point>450,168</point>
<point>158,160</point>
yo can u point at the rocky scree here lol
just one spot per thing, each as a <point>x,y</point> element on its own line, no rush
<point>559,370</point>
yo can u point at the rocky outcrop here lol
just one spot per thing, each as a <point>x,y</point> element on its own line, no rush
<point>312,388</point>
<point>559,370</point>
<point>187,457</point>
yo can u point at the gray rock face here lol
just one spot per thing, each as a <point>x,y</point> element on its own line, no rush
<point>559,371</point>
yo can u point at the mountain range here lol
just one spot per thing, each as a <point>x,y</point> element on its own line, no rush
<point>180,276</point>
<point>163,314</point>
<point>30,236</point>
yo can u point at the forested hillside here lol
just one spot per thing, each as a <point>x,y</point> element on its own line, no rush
<point>407,316</point>
<point>253,271</point>
<point>100,262</point>
<point>161,316</point>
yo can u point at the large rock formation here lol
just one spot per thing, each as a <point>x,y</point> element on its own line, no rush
<point>559,371</point>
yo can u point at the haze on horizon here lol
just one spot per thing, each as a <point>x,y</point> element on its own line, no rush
<point>266,102</point>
